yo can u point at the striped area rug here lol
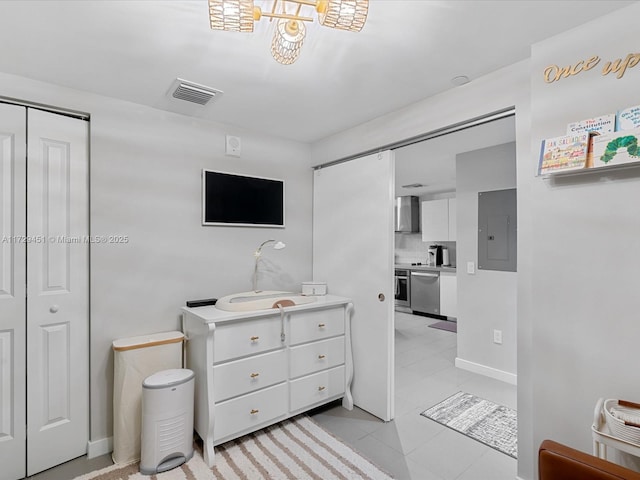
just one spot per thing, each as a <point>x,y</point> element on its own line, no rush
<point>295,449</point>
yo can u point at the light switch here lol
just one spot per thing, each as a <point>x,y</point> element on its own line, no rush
<point>471,268</point>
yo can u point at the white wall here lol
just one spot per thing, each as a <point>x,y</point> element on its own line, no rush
<point>486,299</point>
<point>145,183</point>
<point>493,92</point>
<point>584,305</point>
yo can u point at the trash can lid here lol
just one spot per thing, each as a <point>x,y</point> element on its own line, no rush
<point>142,341</point>
<point>168,378</point>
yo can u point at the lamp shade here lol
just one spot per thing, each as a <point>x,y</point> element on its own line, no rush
<point>343,14</point>
<point>231,15</point>
<point>287,40</point>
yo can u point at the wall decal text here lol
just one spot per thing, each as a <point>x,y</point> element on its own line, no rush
<point>553,73</point>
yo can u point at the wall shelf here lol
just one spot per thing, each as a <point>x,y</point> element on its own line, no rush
<point>593,170</point>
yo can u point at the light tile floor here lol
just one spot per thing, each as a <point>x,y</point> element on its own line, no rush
<point>413,447</point>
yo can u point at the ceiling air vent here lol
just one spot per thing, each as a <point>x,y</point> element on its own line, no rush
<point>193,92</point>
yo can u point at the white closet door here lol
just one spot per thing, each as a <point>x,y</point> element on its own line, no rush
<point>58,290</point>
<point>353,252</point>
<point>12,292</point>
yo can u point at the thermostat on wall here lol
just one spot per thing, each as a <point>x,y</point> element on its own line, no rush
<point>232,146</point>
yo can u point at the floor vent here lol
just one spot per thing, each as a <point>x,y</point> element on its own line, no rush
<point>193,92</point>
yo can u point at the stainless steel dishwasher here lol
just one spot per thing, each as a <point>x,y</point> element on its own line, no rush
<point>425,292</point>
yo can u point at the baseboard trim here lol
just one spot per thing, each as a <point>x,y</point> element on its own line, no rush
<point>487,371</point>
<point>97,448</point>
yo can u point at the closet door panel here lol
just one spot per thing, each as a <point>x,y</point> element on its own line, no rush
<point>12,292</point>
<point>57,297</point>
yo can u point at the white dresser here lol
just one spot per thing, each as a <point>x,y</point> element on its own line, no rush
<point>249,376</point>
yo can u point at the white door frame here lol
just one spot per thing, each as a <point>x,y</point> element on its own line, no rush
<point>13,434</point>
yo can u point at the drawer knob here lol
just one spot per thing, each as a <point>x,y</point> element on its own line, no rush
<point>254,411</point>
<point>254,338</point>
<point>321,356</point>
<point>321,325</point>
<point>321,388</point>
<point>254,375</point>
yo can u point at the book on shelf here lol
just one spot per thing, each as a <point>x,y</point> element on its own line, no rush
<point>628,118</point>
<point>616,148</point>
<point>561,154</point>
<point>602,124</point>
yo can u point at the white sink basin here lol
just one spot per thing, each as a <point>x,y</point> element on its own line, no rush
<point>263,300</point>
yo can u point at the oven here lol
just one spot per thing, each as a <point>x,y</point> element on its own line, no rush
<point>403,288</point>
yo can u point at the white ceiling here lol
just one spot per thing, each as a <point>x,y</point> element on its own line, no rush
<point>408,50</point>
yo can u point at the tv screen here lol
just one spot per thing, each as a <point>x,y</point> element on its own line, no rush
<point>241,200</point>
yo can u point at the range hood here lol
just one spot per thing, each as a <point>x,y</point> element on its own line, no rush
<point>407,214</point>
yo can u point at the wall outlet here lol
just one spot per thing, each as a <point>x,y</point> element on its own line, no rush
<point>471,268</point>
<point>497,337</point>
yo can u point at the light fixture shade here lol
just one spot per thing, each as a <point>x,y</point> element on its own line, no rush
<point>287,40</point>
<point>231,15</point>
<point>344,14</point>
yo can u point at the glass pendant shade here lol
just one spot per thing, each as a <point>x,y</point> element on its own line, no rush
<point>287,40</point>
<point>231,15</point>
<point>343,14</point>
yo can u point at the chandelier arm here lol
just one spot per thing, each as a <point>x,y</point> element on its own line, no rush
<point>304,2</point>
<point>287,16</point>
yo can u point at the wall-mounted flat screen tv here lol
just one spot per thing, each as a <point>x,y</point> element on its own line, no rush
<point>238,200</point>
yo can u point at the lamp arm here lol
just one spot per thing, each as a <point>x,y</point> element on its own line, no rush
<point>255,274</point>
<point>259,249</point>
<point>257,254</point>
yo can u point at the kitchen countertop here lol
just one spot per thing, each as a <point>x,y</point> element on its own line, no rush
<point>424,268</point>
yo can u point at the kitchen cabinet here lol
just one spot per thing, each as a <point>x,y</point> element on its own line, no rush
<point>254,369</point>
<point>452,219</point>
<point>439,220</point>
<point>448,294</point>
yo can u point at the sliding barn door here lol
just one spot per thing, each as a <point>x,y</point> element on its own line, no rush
<point>12,292</point>
<point>353,253</point>
<point>57,290</point>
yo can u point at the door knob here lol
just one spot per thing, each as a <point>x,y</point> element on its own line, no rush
<point>54,308</point>
<point>381,297</point>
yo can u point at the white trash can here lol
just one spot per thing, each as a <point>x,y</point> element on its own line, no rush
<point>167,420</point>
<point>135,358</point>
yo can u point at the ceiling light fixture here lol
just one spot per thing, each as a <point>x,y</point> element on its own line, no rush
<point>290,31</point>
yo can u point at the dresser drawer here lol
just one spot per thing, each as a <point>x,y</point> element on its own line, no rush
<point>249,374</point>
<point>316,325</point>
<point>249,411</point>
<point>240,339</point>
<point>316,388</point>
<point>316,356</point>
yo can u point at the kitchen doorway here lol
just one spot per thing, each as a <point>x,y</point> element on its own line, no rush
<point>483,158</point>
